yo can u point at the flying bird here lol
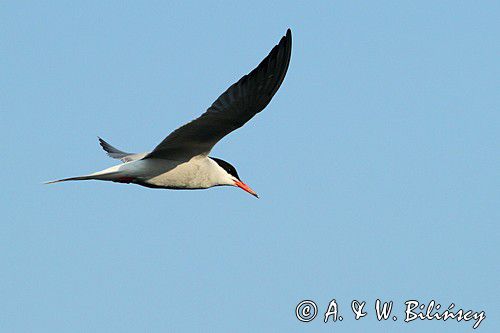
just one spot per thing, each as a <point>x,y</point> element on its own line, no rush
<point>181,160</point>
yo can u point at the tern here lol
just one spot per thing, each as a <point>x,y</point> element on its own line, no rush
<point>181,160</point>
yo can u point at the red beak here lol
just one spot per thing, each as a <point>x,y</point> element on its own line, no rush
<point>245,188</point>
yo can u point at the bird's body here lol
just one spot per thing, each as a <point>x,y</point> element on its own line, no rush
<point>198,173</point>
<point>181,160</point>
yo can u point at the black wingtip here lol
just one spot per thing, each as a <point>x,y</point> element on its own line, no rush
<point>109,149</point>
<point>102,143</point>
<point>288,36</point>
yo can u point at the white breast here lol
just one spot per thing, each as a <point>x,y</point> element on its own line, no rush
<point>199,172</point>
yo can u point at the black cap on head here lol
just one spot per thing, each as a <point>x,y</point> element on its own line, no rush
<point>226,166</point>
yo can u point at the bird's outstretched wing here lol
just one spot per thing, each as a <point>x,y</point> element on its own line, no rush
<point>237,105</point>
<point>118,154</point>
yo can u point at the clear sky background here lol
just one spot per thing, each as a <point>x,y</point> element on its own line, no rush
<point>377,163</point>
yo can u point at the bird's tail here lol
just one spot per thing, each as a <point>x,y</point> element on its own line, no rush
<point>68,179</point>
<point>95,176</point>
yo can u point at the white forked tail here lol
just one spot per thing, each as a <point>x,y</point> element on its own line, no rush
<point>108,176</point>
<point>112,174</point>
<point>67,179</point>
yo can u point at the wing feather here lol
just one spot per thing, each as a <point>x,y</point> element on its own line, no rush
<point>237,105</point>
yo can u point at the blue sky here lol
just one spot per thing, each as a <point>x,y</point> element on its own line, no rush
<point>377,163</point>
